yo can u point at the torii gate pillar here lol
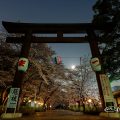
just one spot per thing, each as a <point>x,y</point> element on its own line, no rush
<point>96,53</point>
<point>104,87</point>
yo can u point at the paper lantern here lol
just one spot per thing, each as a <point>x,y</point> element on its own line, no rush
<point>23,64</point>
<point>95,64</point>
<point>58,60</point>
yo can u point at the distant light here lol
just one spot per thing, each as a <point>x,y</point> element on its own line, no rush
<point>100,103</point>
<point>89,100</point>
<point>73,67</point>
<point>29,101</point>
<point>41,103</point>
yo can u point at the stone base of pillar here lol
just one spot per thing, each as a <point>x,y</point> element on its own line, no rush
<point>11,115</point>
<point>110,114</point>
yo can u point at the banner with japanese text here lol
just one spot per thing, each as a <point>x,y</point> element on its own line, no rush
<point>106,88</point>
<point>13,98</point>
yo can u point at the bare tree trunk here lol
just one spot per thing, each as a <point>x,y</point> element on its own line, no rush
<point>78,104</point>
<point>83,103</point>
<point>44,107</point>
<point>95,105</point>
<point>39,88</point>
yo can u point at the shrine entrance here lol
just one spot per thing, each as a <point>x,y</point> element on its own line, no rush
<point>28,29</point>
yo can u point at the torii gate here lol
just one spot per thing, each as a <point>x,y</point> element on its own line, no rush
<point>28,29</point>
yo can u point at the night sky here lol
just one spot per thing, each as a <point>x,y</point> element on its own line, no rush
<point>71,52</point>
<point>52,11</point>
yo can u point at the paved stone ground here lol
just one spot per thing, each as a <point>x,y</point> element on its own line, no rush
<point>62,115</point>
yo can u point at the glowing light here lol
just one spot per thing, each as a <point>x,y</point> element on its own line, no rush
<point>40,103</point>
<point>89,100</point>
<point>73,67</point>
<point>100,103</point>
<point>29,101</point>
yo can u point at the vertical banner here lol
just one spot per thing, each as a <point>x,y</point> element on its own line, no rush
<point>106,88</point>
<point>13,98</point>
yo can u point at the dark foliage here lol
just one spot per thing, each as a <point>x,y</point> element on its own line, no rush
<point>109,11</point>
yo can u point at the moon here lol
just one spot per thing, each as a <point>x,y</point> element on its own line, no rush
<point>73,67</point>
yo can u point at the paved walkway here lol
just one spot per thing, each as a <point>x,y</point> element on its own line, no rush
<point>62,115</point>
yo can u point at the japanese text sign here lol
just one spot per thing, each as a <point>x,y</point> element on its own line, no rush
<point>13,98</point>
<point>106,88</point>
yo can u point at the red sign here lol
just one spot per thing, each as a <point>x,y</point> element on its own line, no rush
<point>95,61</point>
<point>21,63</point>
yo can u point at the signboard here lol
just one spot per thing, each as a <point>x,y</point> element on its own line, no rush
<point>95,64</point>
<point>23,64</point>
<point>13,98</point>
<point>107,92</point>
